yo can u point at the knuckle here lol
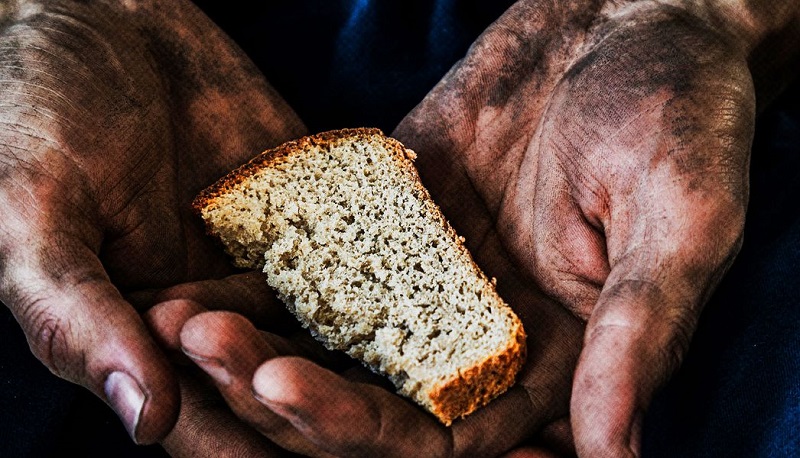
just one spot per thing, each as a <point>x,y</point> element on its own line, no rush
<point>270,426</point>
<point>635,287</point>
<point>374,435</point>
<point>663,329</point>
<point>49,339</point>
<point>629,295</point>
<point>679,328</point>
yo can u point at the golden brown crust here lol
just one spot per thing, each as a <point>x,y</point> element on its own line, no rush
<point>272,156</point>
<point>476,386</point>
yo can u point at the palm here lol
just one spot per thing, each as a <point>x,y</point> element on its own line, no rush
<point>472,133</point>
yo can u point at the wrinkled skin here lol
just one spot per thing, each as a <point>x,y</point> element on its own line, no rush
<point>594,154</point>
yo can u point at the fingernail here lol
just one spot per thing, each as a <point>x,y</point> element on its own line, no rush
<point>126,398</point>
<point>260,398</point>
<point>277,407</point>
<point>286,411</point>
<point>212,367</point>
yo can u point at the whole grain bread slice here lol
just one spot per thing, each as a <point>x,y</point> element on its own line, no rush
<point>359,252</point>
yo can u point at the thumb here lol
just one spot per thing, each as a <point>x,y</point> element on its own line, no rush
<point>79,326</point>
<point>641,327</point>
<point>629,351</point>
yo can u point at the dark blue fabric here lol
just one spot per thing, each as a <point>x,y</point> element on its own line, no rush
<point>344,63</point>
<point>348,63</point>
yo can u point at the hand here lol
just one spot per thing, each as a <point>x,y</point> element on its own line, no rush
<point>331,408</point>
<point>115,114</point>
<point>606,146</point>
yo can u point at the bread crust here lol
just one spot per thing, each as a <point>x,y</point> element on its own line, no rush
<point>206,198</point>
<point>471,387</point>
<point>478,385</point>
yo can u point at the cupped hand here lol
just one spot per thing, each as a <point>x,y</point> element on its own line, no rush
<point>114,114</point>
<point>605,146</point>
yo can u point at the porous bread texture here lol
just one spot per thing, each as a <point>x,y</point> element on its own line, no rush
<point>359,252</point>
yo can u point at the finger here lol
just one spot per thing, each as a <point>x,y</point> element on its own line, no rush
<point>645,316</point>
<point>508,420</point>
<point>206,427</point>
<point>79,326</point>
<point>554,441</point>
<point>345,418</point>
<point>165,321</point>
<point>230,349</point>
<point>617,374</point>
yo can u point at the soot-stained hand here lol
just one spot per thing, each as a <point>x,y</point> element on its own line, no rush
<point>601,149</point>
<point>114,115</point>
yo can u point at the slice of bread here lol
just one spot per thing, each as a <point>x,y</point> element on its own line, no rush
<point>358,251</point>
